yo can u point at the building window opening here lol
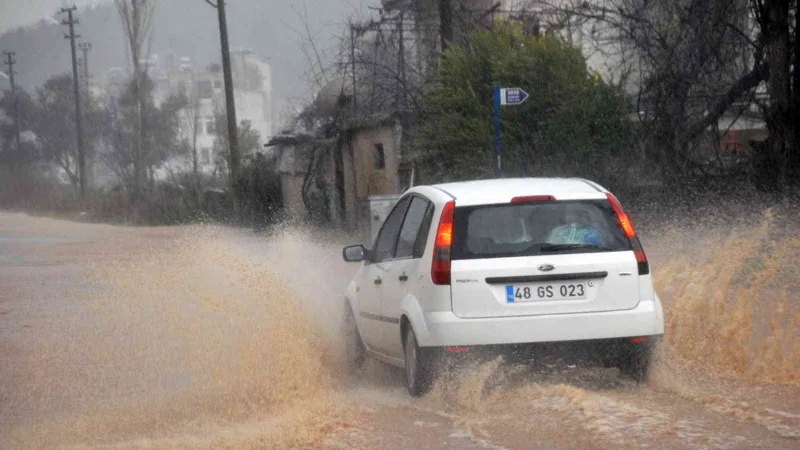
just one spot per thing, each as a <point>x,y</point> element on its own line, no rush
<point>379,158</point>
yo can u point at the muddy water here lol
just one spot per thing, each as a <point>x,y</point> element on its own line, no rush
<point>163,338</point>
<point>734,308</point>
<point>205,337</point>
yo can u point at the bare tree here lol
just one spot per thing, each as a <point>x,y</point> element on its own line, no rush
<point>136,17</point>
<point>685,61</point>
<point>190,121</point>
<point>319,74</point>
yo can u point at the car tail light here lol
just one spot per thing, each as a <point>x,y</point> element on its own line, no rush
<point>533,199</point>
<point>630,232</point>
<point>440,267</point>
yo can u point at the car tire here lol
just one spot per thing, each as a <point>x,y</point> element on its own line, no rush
<point>418,368</point>
<point>355,353</point>
<point>635,363</point>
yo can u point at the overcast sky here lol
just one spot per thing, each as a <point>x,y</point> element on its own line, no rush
<point>14,13</point>
<point>269,27</point>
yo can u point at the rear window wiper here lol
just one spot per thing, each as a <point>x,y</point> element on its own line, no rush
<point>559,247</point>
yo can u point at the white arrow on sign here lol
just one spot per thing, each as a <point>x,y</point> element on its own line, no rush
<point>512,96</point>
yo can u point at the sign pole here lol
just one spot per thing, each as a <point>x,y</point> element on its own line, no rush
<point>504,96</point>
<point>498,143</point>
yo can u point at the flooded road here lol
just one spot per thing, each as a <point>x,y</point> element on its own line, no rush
<point>208,337</point>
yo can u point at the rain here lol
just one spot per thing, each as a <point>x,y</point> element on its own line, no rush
<point>178,181</point>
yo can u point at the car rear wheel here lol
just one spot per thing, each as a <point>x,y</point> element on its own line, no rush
<point>355,353</point>
<point>418,368</point>
<point>635,363</point>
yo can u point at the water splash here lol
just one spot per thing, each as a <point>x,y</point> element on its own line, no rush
<point>188,340</point>
<point>206,337</point>
<point>731,306</point>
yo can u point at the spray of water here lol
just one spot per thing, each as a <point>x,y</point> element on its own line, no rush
<point>205,337</point>
<point>731,314</point>
<point>731,304</point>
<point>196,341</point>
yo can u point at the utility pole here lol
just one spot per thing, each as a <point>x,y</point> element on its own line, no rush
<point>139,151</point>
<point>230,104</point>
<point>446,23</point>
<point>401,62</point>
<point>353,62</point>
<point>10,61</point>
<point>71,22</point>
<point>85,47</point>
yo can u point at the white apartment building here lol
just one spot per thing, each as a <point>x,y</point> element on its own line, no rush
<point>252,80</point>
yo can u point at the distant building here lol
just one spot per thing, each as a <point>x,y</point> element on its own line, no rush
<point>252,82</point>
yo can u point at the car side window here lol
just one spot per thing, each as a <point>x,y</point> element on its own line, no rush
<point>422,236</point>
<point>406,243</point>
<point>387,236</point>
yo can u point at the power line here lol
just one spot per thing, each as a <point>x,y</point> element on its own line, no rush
<point>10,61</point>
<point>71,22</point>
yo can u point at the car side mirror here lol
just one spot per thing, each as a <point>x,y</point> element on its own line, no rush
<point>355,253</point>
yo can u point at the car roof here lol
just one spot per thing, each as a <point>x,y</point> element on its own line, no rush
<point>480,192</point>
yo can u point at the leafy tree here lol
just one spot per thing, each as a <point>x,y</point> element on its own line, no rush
<point>26,110</point>
<point>249,139</point>
<point>161,141</point>
<point>163,130</point>
<point>55,125</point>
<point>571,121</point>
<point>258,188</point>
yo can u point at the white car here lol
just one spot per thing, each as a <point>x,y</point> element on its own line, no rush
<point>462,267</point>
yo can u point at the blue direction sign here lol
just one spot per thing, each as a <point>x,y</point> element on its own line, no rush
<point>512,96</point>
<point>504,96</point>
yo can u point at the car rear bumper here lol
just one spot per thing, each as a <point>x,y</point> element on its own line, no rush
<point>446,329</point>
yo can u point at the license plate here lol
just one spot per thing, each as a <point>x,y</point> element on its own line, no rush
<point>517,293</point>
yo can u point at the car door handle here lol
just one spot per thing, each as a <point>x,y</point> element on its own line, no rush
<point>378,280</point>
<point>403,278</point>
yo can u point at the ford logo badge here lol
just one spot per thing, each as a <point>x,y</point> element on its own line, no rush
<point>546,267</point>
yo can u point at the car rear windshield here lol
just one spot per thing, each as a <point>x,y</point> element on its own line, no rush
<point>528,229</point>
